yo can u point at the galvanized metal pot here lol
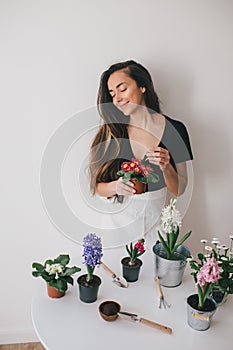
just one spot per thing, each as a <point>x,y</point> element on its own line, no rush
<point>170,272</point>
<point>200,320</point>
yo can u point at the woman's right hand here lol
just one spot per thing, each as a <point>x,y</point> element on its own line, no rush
<point>124,189</point>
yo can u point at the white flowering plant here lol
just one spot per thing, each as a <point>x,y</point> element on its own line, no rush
<point>224,257</point>
<point>56,272</point>
<point>171,224</point>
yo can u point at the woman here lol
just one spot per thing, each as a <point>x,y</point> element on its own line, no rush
<point>133,127</point>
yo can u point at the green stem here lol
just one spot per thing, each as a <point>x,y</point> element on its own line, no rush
<point>90,271</point>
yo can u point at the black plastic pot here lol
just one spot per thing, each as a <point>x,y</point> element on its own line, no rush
<point>88,291</point>
<point>131,272</point>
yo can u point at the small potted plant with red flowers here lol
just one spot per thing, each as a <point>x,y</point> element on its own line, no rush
<point>201,306</point>
<point>89,283</point>
<point>131,265</point>
<point>139,172</point>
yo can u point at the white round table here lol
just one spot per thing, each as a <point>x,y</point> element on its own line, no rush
<point>68,323</point>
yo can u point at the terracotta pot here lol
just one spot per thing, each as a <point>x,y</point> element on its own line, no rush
<point>139,186</point>
<point>131,272</point>
<point>109,310</point>
<point>88,291</point>
<point>54,293</point>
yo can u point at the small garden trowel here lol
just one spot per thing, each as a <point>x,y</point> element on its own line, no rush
<point>119,281</point>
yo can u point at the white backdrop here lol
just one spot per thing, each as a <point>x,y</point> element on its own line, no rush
<point>52,55</point>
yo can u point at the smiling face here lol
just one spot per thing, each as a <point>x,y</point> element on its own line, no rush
<point>126,95</point>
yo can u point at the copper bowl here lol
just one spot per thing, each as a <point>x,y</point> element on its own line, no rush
<point>109,310</point>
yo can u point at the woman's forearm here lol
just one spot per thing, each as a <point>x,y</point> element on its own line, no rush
<point>106,189</point>
<point>175,182</point>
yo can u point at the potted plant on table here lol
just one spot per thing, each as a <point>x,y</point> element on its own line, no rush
<point>139,172</point>
<point>131,265</point>
<point>171,254</point>
<point>200,306</point>
<point>89,283</point>
<point>56,273</point>
<point>224,256</point>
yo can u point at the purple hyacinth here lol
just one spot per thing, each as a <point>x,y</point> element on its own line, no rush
<point>92,250</point>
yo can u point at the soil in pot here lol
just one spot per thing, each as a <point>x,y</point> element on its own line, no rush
<point>88,290</point>
<point>54,293</point>
<point>140,187</point>
<point>208,305</point>
<point>109,310</point>
<point>131,272</point>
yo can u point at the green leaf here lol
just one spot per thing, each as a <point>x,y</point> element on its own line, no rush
<point>153,178</point>
<point>36,273</point>
<point>59,284</point>
<point>120,173</point>
<point>127,176</point>
<point>165,246</point>
<point>71,270</point>
<point>38,266</point>
<point>200,296</point>
<point>49,262</point>
<point>62,259</point>
<point>139,254</point>
<point>186,236</point>
<point>207,291</point>
<point>128,251</point>
<point>200,256</point>
<point>67,279</point>
<point>173,239</point>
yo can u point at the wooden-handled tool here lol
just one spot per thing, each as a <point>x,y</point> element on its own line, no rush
<point>136,318</point>
<point>162,301</point>
<point>119,281</point>
<point>163,328</point>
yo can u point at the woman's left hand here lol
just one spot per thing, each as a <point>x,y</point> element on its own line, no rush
<point>159,156</point>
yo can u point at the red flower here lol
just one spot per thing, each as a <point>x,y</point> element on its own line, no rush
<point>140,246</point>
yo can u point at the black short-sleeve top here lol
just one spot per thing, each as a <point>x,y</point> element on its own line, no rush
<point>175,139</point>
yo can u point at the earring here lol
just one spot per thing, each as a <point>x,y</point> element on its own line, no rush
<point>143,90</point>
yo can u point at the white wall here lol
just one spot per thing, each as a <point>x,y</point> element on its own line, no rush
<point>52,54</point>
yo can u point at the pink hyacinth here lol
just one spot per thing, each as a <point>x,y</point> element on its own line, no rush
<point>209,272</point>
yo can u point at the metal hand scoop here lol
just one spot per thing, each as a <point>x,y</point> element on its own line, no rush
<point>109,310</point>
<point>162,301</point>
<point>119,281</point>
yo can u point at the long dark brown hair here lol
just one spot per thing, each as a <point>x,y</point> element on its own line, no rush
<point>105,148</point>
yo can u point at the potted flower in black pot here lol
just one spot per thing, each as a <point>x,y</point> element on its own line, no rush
<point>131,265</point>
<point>224,256</point>
<point>201,306</point>
<point>57,274</point>
<point>171,254</point>
<point>139,172</point>
<point>89,283</point>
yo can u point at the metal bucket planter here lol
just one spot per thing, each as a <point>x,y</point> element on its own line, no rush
<point>200,320</point>
<point>170,272</point>
<point>219,296</point>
